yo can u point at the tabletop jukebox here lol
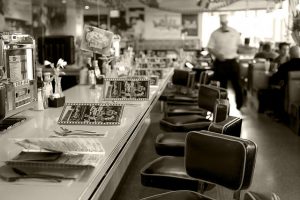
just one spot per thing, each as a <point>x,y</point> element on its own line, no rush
<point>18,90</point>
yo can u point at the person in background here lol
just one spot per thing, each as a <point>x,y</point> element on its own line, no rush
<point>260,47</point>
<point>281,76</point>
<point>278,82</point>
<point>223,45</point>
<point>267,52</point>
<point>284,55</point>
<point>138,29</point>
<point>246,49</point>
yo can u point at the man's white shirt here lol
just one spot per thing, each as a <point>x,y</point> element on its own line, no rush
<point>225,43</point>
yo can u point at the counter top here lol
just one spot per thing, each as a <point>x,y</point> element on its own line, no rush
<point>42,124</point>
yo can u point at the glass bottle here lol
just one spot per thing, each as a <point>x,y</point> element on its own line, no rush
<point>96,68</point>
<point>45,98</point>
<point>92,79</point>
<point>58,88</point>
<point>89,63</point>
<point>91,73</point>
<point>40,101</point>
<point>39,75</point>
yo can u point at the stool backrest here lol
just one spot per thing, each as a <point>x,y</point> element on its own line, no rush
<point>208,95</point>
<point>205,77</point>
<point>221,110</point>
<point>220,159</point>
<point>181,77</point>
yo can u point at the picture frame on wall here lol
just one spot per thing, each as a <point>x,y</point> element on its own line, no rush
<point>190,24</point>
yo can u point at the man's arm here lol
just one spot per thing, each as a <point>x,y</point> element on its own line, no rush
<point>278,77</point>
<point>216,54</point>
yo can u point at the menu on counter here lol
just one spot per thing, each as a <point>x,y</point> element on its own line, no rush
<point>91,114</point>
<point>126,89</point>
<point>149,72</point>
<point>58,153</point>
<point>153,79</point>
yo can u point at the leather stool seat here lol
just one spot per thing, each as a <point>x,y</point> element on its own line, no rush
<point>172,96</point>
<point>173,143</point>
<point>180,195</point>
<point>185,110</point>
<point>168,173</point>
<point>208,97</point>
<point>186,122</point>
<point>215,158</point>
<point>182,79</point>
<point>259,196</point>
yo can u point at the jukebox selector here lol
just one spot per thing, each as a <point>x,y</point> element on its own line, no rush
<point>18,90</point>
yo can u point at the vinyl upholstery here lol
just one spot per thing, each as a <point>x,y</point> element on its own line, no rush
<point>218,159</point>
<point>225,160</point>
<point>173,143</point>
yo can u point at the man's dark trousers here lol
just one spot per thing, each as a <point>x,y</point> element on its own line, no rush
<point>229,70</point>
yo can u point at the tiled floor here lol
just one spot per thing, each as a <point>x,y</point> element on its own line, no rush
<point>277,166</point>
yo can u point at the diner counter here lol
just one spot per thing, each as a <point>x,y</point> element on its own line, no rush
<point>120,145</point>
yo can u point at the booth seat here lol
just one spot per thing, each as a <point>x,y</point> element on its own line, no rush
<point>292,91</point>
<point>258,81</point>
<point>292,101</point>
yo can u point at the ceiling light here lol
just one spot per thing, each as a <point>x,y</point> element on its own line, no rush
<point>63,1</point>
<point>86,7</point>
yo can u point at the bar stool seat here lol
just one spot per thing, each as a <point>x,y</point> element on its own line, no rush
<point>220,159</point>
<point>207,99</point>
<point>173,143</point>
<point>259,196</point>
<point>180,195</point>
<point>169,173</point>
<point>186,122</point>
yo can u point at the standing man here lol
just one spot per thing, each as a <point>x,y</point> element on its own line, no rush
<point>223,45</point>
